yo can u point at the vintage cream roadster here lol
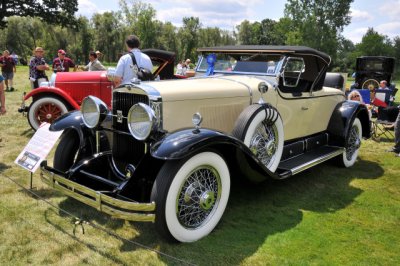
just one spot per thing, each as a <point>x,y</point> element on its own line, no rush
<point>167,150</point>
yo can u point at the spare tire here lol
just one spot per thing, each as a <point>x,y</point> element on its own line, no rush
<point>260,127</point>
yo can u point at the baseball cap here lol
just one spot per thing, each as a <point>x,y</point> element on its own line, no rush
<point>61,51</point>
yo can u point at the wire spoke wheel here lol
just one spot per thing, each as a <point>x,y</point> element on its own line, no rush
<point>264,142</point>
<point>199,195</point>
<point>191,196</point>
<point>353,143</point>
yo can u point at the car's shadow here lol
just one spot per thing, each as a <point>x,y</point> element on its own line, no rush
<point>4,167</point>
<point>254,213</point>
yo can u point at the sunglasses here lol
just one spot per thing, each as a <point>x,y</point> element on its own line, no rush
<point>355,96</point>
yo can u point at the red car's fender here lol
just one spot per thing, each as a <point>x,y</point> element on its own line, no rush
<point>55,91</point>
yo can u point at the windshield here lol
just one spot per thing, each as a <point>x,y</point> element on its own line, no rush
<point>260,64</point>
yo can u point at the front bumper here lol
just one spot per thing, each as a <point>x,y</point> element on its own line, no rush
<point>123,209</point>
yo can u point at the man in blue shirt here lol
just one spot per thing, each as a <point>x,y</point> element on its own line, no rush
<point>126,71</point>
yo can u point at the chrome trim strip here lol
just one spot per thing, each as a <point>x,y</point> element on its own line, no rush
<point>316,161</point>
<point>154,94</point>
<point>132,211</point>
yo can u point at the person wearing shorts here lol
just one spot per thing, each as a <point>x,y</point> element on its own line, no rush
<point>8,68</point>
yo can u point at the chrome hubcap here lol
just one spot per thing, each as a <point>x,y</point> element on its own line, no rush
<point>207,200</point>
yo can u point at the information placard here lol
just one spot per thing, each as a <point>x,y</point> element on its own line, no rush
<point>38,148</point>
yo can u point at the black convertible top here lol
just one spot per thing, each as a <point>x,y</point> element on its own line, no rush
<point>267,49</point>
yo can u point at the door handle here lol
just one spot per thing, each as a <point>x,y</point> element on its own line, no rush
<point>304,108</point>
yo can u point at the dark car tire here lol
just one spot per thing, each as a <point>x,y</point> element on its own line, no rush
<point>191,196</point>
<point>353,143</point>
<point>261,129</point>
<point>66,150</point>
<point>45,109</point>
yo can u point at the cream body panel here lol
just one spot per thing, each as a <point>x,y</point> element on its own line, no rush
<point>219,99</point>
<point>309,113</point>
<point>219,114</point>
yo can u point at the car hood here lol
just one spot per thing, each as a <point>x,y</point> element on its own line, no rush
<point>208,87</point>
<point>81,77</point>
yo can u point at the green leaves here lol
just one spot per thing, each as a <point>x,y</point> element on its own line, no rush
<point>59,12</point>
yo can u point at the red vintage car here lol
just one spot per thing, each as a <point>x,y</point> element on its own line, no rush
<point>66,90</point>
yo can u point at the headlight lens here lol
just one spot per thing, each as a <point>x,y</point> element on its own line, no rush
<point>93,110</point>
<point>141,120</point>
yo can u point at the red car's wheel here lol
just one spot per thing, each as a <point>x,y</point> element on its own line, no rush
<point>45,109</point>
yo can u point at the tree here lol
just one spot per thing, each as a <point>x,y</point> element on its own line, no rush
<point>373,43</point>
<point>188,36</point>
<point>248,33</point>
<point>270,34</point>
<point>51,11</point>
<point>111,40</point>
<point>318,23</point>
<point>139,18</point>
<point>396,47</point>
<point>345,61</point>
<point>167,37</point>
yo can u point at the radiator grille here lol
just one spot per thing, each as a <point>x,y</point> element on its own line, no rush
<point>126,149</point>
<point>123,101</point>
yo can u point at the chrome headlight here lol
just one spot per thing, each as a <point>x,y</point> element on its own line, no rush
<point>93,111</point>
<point>141,121</point>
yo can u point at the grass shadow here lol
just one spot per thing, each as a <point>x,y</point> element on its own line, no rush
<point>27,133</point>
<point>257,212</point>
<point>4,167</point>
<point>254,213</point>
<point>93,248</point>
<point>88,213</point>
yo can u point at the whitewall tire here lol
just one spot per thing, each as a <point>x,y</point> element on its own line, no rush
<point>45,109</point>
<point>261,129</point>
<point>191,196</point>
<point>353,143</point>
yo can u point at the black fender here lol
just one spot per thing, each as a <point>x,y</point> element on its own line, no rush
<point>342,118</point>
<point>184,143</point>
<point>73,120</point>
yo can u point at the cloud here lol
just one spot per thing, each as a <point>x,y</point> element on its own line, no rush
<point>359,15</point>
<point>355,35</point>
<point>391,29</point>
<point>86,8</point>
<point>390,9</point>
<point>222,13</point>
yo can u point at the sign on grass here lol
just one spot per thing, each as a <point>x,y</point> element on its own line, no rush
<point>38,148</point>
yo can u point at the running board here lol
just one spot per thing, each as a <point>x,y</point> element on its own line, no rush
<point>307,160</point>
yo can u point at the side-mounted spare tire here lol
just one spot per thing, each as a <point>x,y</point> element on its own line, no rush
<point>260,127</point>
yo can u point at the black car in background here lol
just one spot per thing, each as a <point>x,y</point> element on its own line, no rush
<point>370,70</point>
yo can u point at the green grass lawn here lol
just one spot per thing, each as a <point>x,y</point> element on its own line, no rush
<point>324,216</point>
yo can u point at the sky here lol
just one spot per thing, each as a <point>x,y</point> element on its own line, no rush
<point>227,14</point>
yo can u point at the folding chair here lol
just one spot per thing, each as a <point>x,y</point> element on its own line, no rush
<point>383,126</point>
